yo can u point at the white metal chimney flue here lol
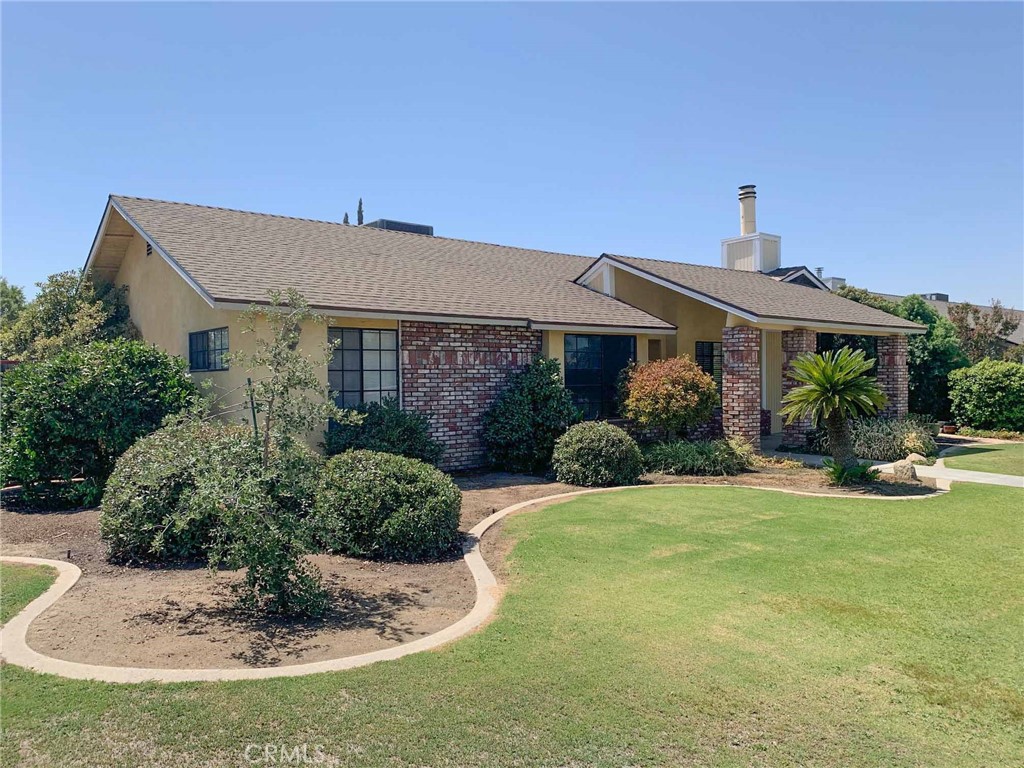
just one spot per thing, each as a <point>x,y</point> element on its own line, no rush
<point>748,203</point>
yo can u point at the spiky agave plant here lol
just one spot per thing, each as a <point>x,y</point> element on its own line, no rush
<point>835,387</point>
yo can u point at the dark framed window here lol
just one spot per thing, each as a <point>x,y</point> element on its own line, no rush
<point>207,350</point>
<point>708,356</point>
<point>364,368</point>
<point>592,367</point>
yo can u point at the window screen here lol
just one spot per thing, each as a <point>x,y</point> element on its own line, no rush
<point>207,350</point>
<point>364,368</point>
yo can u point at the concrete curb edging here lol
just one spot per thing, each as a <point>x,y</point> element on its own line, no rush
<point>14,648</point>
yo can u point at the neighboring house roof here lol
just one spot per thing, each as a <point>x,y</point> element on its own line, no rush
<point>237,257</point>
<point>760,298</point>
<point>942,307</point>
<point>800,275</point>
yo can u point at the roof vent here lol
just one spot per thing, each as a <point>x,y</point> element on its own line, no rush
<point>401,226</point>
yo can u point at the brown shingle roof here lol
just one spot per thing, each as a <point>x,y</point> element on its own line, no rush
<point>768,299</point>
<point>237,256</point>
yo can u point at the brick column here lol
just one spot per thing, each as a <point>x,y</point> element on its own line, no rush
<point>892,374</point>
<point>794,344</point>
<point>741,384</point>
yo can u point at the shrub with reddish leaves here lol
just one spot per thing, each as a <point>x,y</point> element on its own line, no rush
<point>674,395</point>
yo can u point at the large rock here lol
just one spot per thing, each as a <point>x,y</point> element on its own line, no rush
<point>904,471</point>
<point>916,457</point>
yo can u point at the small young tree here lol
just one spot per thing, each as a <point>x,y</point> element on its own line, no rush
<point>265,532</point>
<point>345,220</point>
<point>982,332</point>
<point>674,394</point>
<point>834,387</point>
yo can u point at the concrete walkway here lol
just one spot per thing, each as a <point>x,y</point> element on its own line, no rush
<point>14,647</point>
<point>939,471</point>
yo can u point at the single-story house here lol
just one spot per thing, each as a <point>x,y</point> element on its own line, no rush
<point>440,323</point>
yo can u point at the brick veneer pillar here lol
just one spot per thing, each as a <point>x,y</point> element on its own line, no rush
<point>452,372</point>
<point>892,374</point>
<point>794,344</point>
<point>741,384</point>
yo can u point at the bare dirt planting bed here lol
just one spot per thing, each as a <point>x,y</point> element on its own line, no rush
<point>182,617</point>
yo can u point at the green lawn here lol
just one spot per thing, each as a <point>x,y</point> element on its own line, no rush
<point>20,584</point>
<point>669,626</point>
<point>1003,459</point>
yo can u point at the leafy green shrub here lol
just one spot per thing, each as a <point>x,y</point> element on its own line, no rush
<point>596,453</point>
<point>849,475</point>
<point>386,428</point>
<point>989,395</point>
<point>521,427</point>
<point>72,414</point>
<point>388,507</point>
<point>701,457</point>
<point>882,439</point>
<point>168,495</point>
<point>673,394</point>
<point>995,434</point>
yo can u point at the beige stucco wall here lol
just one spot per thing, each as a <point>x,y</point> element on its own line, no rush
<point>771,376</point>
<point>694,320</point>
<point>166,309</point>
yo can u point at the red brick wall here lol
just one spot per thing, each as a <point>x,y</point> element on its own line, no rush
<point>794,344</point>
<point>741,383</point>
<point>892,374</point>
<point>453,372</point>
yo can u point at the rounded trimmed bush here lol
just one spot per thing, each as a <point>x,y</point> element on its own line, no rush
<point>596,453</point>
<point>674,394</point>
<point>167,493</point>
<point>387,507</point>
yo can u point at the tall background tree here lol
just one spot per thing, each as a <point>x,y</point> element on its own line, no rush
<point>930,356</point>
<point>68,311</point>
<point>359,213</point>
<point>982,332</point>
<point>12,301</point>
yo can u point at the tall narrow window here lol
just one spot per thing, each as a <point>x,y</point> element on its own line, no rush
<point>207,350</point>
<point>709,357</point>
<point>364,368</point>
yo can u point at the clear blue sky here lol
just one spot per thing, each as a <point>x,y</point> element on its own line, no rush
<point>887,141</point>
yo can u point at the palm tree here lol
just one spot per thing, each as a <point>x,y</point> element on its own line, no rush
<point>834,388</point>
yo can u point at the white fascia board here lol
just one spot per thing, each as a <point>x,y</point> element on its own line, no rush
<point>156,247</point>
<point>241,306</point>
<point>622,329</point>
<point>701,297</point>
